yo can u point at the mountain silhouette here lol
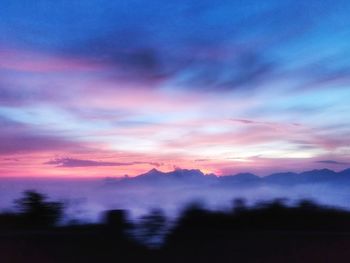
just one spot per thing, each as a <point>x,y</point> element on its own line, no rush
<point>241,179</point>
<point>176,177</point>
<point>195,176</point>
<point>176,174</point>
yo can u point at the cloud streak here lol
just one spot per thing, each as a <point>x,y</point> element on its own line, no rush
<point>333,162</point>
<point>72,163</point>
<point>17,137</point>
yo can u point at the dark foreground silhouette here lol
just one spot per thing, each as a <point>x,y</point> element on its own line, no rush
<point>268,232</point>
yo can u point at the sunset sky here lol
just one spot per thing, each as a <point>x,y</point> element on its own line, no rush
<point>109,88</point>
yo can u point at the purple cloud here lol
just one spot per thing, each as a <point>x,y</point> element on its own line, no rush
<point>247,121</point>
<point>71,163</point>
<point>333,162</point>
<point>17,137</point>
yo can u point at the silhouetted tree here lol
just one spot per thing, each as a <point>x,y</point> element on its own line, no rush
<point>307,204</point>
<point>36,211</point>
<point>152,226</point>
<point>117,222</point>
<point>239,205</point>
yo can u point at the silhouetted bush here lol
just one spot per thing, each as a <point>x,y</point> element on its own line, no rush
<point>117,222</point>
<point>239,205</point>
<point>37,212</point>
<point>152,227</point>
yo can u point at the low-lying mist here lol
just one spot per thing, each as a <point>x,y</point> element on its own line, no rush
<point>86,199</point>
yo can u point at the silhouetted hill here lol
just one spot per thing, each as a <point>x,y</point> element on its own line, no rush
<point>185,177</point>
<point>282,178</point>
<point>242,178</point>
<point>319,175</point>
<point>154,173</point>
<point>176,177</point>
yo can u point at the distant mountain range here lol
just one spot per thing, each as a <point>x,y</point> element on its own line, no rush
<point>196,177</point>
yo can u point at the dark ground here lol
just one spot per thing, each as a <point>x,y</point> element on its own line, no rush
<point>269,232</point>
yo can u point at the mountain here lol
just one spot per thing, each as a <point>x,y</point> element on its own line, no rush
<point>282,178</point>
<point>241,178</point>
<point>309,177</point>
<point>346,172</point>
<point>196,177</point>
<point>176,177</point>
<point>186,174</point>
<point>179,174</point>
<point>319,175</point>
<point>154,173</point>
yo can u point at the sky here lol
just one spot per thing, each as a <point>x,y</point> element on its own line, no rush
<point>114,88</point>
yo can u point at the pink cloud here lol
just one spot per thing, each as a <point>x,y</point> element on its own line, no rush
<point>29,61</point>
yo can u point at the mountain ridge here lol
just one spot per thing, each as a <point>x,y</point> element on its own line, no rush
<point>196,176</point>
